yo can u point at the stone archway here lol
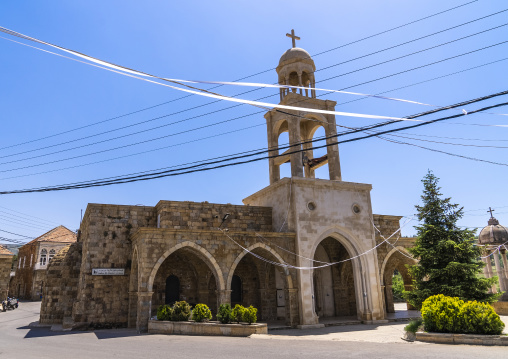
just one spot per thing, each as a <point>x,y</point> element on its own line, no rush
<point>395,260</point>
<point>264,285</point>
<point>185,274</point>
<point>334,287</point>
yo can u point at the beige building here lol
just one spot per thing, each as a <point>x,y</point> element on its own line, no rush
<point>33,260</point>
<point>5,271</point>
<point>300,250</point>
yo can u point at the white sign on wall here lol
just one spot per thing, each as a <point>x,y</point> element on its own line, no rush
<point>108,271</point>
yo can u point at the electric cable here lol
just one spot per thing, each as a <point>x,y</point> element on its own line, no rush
<point>193,169</point>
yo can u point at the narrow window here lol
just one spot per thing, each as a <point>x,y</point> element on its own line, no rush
<point>236,290</point>
<point>44,254</point>
<point>51,255</point>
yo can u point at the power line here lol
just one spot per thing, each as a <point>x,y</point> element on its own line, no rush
<point>356,130</point>
<point>192,169</point>
<point>132,144</point>
<point>258,73</point>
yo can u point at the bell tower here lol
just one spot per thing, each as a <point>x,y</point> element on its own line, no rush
<point>296,68</point>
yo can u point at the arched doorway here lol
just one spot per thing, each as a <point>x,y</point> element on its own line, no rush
<point>185,275</point>
<point>334,285</point>
<point>395,270</point>
<point>256,281</point>
<point>172,289</point>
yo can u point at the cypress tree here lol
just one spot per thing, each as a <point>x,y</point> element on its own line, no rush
<point>449,263</point>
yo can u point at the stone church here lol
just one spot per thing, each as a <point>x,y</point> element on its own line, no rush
<point>129,259</point>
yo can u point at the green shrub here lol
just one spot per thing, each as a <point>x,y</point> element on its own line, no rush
<point>249,315</point>
<point>413,325</point>
<point>201,313</point>
<point>181,311</point>
<point>164,312</point>
<point>237,313</point>
<point>451,315</point>
<point>225,314</point>
<point>441,314</point>
<point>480,318</point>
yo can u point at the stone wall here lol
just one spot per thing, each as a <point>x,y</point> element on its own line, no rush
<point>204,215</point>
<point>61,285</point>
<point>105,237</point>
<point>22,283</point>
<point>5,271</point>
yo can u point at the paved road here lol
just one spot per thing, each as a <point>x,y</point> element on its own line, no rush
<point>17,340</point>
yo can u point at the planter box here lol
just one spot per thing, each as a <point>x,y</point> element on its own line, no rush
<point>501,308</point>
<point>210,328</point>
<point>475,339</point>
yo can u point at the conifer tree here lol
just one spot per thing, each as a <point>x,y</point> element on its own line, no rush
<point>449,263</point>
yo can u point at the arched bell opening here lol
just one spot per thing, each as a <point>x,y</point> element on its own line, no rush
<point>334,285</point>
<point>185,275</point>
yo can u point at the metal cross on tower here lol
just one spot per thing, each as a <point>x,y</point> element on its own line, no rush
<point>293,37</point>
<point>491,210</point>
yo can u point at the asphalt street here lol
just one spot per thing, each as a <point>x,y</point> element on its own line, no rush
<point>18,340</point>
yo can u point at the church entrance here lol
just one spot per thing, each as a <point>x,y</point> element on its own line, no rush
<point>185,275</point>
<point>334,286</point>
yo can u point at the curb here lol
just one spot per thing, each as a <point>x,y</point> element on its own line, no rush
<point>472,339</point>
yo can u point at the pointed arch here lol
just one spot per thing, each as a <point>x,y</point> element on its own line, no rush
<point>232,269</point>
<point>202,253</point>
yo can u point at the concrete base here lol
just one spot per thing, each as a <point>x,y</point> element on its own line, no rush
<point>210,328</point>
<point>310,326</point>
<point>474,339</point>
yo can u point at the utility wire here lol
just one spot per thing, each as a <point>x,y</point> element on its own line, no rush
<point>351,131</point>
<point>132,144</point>
<point>192,169</point>
<point>258,73</point>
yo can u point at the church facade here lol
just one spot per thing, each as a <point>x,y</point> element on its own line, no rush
<point>274,252</point>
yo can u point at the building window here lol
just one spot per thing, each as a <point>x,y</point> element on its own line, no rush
<point>31,258</point>
<point>236,290</point>
<point>44,254</point>
<point>51,255</point>
<point>24,260</point>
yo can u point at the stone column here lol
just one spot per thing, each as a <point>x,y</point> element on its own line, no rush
<point>390,306</point>
<point>332,151</point>
<point>272,143</point>
<point>133,310</point>
<point>292,317</point>
<point>223,297</point>
<point>294,141</point>
<point>144,310</point>
<point>486,271</point>
<point>505,264</point>
<point>490,273</point>
<point>500,273</point>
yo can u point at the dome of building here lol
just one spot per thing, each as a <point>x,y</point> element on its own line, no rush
<point>493,233</point>
<point>296,54</point>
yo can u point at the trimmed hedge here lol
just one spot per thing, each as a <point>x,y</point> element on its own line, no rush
<point>164,312</point>
<point>249,315</point>
<point>201,313</point>
<point>444,314</point>
<point>237,313</point>
<point>225,314</point>
<point>181,311</point>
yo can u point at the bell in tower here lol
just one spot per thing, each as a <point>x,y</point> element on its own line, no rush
<point>296,68</point>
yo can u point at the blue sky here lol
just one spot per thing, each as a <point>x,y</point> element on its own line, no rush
<point>44,95</point>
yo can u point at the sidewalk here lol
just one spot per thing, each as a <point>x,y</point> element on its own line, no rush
<point>375,333</point>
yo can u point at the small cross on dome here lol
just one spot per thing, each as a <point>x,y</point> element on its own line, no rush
<point>293,37</point>
<point>491,210</point>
